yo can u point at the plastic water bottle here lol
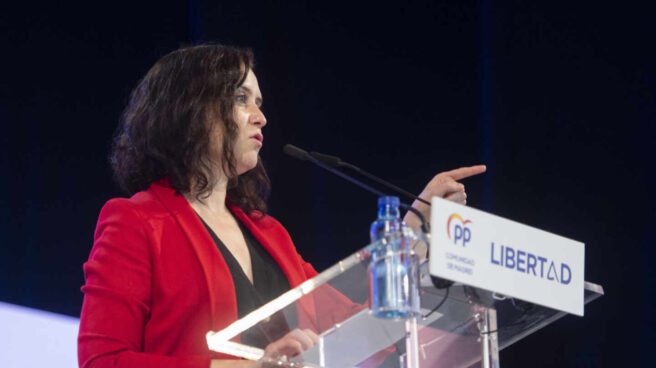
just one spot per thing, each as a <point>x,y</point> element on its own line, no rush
<point>394,268</point>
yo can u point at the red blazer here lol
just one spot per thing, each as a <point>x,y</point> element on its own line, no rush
<point>156,282</point>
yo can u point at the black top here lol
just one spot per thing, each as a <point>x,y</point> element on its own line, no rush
<point>269,282</point>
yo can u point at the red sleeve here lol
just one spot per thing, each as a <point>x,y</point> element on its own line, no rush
<point>309,271</point>
<point>117,295</point>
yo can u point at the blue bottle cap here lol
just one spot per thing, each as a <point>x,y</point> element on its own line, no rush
<point>389,200</point>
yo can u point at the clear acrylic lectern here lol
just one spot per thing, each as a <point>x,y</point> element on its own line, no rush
<point>468,328</point>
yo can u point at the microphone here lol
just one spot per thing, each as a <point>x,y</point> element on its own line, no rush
<point>334,161</point>
<point>330,162</point>
<point>303,155</point>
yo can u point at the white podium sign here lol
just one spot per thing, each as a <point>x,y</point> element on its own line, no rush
<point>497,254</point>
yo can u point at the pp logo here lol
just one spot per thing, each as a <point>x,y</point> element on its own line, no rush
<point>461,233</point>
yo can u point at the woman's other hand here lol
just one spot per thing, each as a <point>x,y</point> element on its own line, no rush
<point>293,343</point>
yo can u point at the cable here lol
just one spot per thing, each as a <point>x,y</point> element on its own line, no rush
<point>446,295</point>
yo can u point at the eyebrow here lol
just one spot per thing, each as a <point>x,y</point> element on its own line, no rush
<point>258,100</point>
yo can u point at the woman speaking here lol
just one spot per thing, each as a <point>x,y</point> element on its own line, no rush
<point>193,249</point>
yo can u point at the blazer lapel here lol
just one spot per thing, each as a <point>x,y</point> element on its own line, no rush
<point>219,280</point>
<point>276,241</point>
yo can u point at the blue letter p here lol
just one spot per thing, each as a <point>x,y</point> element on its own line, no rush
<point>458,233</point>
<point>461,233</point>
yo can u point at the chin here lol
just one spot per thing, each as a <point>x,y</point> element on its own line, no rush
<point>245,166</point>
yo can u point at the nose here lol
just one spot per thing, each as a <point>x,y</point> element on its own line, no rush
<point>257,118</point>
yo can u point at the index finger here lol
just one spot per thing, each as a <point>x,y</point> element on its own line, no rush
<point>465,172</point>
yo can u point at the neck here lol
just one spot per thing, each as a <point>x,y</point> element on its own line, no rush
<point>214,204</point>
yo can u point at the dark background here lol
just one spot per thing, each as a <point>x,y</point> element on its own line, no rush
<point>557,98</point>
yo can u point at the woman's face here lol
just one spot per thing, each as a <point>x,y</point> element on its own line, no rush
<point>250,120</point>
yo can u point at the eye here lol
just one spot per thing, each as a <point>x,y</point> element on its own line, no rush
<point>241,98</point>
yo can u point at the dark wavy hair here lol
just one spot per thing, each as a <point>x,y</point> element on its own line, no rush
<point>165,128</point>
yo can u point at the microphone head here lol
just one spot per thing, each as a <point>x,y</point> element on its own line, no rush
<point>295,152</point>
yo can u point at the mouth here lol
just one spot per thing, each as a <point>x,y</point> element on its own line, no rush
<point>259,138</point>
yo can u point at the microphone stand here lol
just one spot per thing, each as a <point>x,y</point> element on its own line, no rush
<point>328,163</point>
